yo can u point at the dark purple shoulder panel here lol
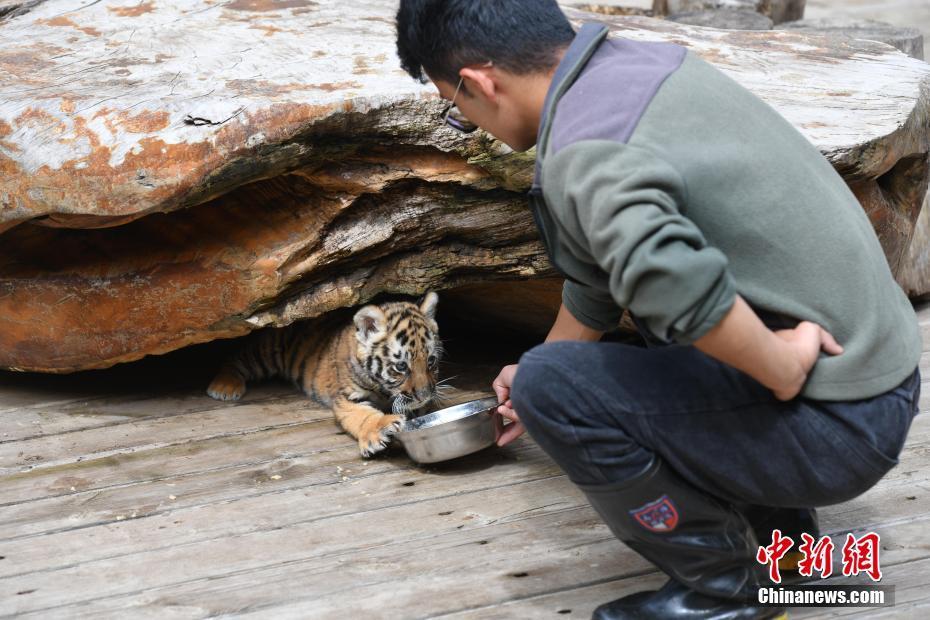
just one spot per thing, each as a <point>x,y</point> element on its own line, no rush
<point>613,91</point>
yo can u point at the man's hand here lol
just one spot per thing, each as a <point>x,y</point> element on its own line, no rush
<point>805,343</point>
<point>501,387</point>
<point>779,360</point>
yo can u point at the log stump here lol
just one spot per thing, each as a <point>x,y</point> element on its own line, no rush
<point>778,10</point>
<point>725,19</point>
<point>908,40</point>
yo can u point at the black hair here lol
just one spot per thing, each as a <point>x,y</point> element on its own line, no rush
<point>439,37</point>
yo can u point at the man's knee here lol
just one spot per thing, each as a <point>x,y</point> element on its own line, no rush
<point>569,418</point>
<point>541,375</point>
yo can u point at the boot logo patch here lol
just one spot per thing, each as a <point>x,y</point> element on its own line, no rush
<point>658,516</point>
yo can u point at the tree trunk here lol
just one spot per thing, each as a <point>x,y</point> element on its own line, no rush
<point>271,162</point>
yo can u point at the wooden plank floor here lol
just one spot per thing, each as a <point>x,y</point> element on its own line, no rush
<point>128,493</point>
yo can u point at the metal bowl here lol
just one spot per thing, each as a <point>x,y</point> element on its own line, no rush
<point>451,432</point>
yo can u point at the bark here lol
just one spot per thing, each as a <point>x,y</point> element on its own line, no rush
<point>915,273</point>
<point>269,164</point>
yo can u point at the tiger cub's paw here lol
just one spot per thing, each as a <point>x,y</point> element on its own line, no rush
<point>375,438</point>
<point>226,386</point>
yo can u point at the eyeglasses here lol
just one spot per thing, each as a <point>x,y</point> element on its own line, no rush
<point>452,117</point>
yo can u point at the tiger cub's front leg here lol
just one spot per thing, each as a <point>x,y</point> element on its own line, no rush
<point>228,384</point>
<point>370,426</point>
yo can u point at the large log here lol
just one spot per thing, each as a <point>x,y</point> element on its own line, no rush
<point>339,234</point>
<point>269,163</point>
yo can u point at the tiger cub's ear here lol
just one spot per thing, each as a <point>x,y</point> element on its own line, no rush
<point>370,324</point>
<point>428,305</point>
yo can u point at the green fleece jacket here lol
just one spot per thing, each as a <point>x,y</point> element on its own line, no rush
<point>665,188</point>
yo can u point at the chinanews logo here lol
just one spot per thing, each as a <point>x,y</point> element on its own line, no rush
<point>657,516</point>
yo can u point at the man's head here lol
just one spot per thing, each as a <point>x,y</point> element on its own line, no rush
<point>503,53</point>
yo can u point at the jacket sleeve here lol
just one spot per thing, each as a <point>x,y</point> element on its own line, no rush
<point>624,204</point>
<point>592,307</point>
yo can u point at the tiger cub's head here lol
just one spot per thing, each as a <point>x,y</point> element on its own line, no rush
<point>399,348</point>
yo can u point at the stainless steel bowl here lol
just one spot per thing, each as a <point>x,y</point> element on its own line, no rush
<point>451,432</point>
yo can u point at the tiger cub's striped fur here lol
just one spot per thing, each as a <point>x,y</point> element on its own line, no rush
<point>384,359</point>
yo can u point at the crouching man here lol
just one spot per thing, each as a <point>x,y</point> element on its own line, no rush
<point>664,188</point>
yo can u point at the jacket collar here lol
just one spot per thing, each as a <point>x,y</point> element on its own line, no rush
<point>586,42</point>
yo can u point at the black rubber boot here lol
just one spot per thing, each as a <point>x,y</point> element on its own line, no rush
<point>674,600</point>
<point>703,544</point>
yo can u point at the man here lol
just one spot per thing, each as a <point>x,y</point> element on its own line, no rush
<point>664,188</point>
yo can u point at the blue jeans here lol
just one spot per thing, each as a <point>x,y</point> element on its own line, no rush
<point>603,410</point>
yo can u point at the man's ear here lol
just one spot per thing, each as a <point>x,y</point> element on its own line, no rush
<point>481,81</point>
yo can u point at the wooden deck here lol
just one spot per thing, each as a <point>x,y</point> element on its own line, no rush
<point>129,493</point>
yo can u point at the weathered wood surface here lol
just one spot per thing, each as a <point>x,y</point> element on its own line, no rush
<point>255,514</point>
<point>319,173</point>
<point>88,96</point>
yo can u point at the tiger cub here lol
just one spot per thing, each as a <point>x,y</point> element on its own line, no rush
<point>385,359</point>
